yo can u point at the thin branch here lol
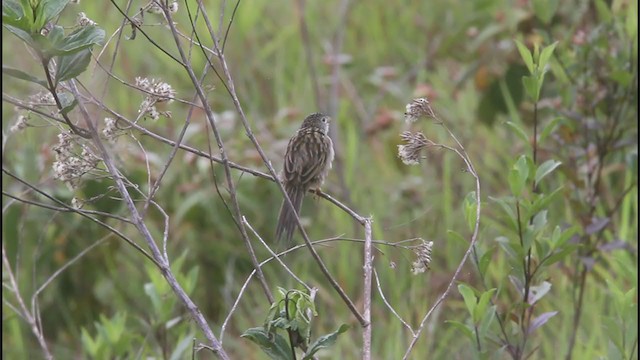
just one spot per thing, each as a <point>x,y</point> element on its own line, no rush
<point>368,266</point>
<point>23,312</point>
<point>386,302</point>
<point>293,275</point>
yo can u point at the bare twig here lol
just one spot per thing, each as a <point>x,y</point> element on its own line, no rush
<point>386,302</point>
<point>367,270</point>
<point>22,310</point>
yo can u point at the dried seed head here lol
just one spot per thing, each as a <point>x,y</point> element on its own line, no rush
<point>82,20</point>
<point>21,124</point>
<point>410,154</point>
<point>423,257</point>
<point>417,108</point>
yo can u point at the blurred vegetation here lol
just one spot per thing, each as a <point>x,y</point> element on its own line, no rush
<point>112,303</point>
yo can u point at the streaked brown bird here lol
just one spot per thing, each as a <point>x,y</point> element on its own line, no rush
<point>306,163</point>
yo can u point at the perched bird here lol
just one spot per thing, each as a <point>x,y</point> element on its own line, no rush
<point>306,163</point>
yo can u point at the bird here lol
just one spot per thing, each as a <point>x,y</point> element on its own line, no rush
<point>307,161</point>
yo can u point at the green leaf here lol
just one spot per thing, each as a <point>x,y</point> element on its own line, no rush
<point>485,260</point>
<point>72,65</point>
<point>539,221</point>
<point>47,10</point>
<point>13,14</point>
<point>276,348</point>
<point>518,176</point>
<point>526,55</point>
<point>549,128</point>
<point>470,209</point>
<point>545,9</point>
<point>482,305</point>
<point>543,200</point>
<point>21,34</point>
<point>469,297</point>
<point>519,131</point>
<point>68,102</point>
<point>560,255</point>
<point>22,75</point>
<point>324,342</point>
<point>532,87</point>
<point>508,208</point>
<point>466,330</point>
<point>545,55</point>
<point>545,169</point>
<point>78,40</point>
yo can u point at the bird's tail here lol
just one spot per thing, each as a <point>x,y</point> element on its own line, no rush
<point>287,219</point>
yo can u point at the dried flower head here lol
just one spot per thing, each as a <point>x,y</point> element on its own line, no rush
<point>423,257</point>
<point>69,166</point>
<point>82,20</point>
<point>157,92</point>
<point>417,108</point>
<point>21,124</point>
<point>156,7</point>
<point>410,153</point>
<point>110,130</point>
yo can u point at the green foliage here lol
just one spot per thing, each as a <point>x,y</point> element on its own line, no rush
<point>292,313</point>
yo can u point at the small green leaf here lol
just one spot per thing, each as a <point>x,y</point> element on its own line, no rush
<point>532,87</point>
<point>482,305</point>
<point>324,342</point>
<point>560,255</point>
<point>539,221</point>
<point>23,75</point>
<point>469,297</point>
<point>508,208</point>
<point>470,209</point>
<point>485,261</point>
<point>526,55</point>
<point>545,169</point>
<point>464,328</point>
<point>545,55</point>
<point>545,9</point>
<point>518,176</point>
<point>549,128</point>
<point>276,348</point>
<point>518,131</point>
<point>71,65</point>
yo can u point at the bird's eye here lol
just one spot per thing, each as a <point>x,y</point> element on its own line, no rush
<point>324,120</point>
